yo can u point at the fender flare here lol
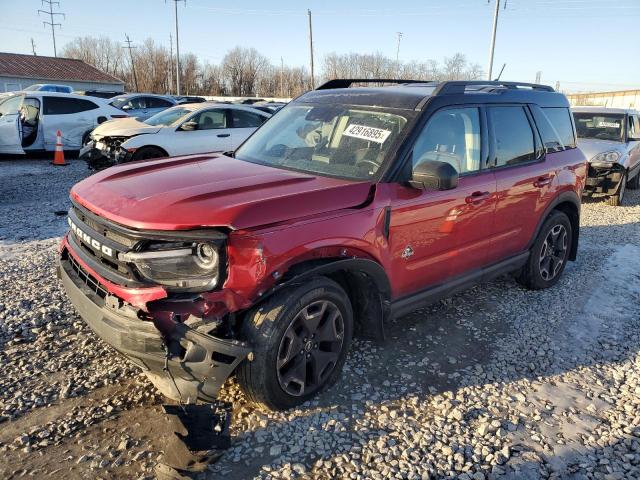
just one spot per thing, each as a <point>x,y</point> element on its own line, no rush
<point>563,197</point>
<point>372,269</point>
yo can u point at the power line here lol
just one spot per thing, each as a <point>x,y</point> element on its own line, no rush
<point>133,64</point>
<point>52,22</point>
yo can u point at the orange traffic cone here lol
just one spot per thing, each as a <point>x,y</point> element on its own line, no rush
<point>58,157</point>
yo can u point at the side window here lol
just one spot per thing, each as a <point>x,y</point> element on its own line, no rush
<point>244,119</point>
<point>64,106</point>
<point>514,138</point>
<point>154,102</point>
<point>560,119</point>
<point>138,103</point>
<point>211,119</point>
<point>633,126</point>
<point>452,135</point>
<point>11,106</point>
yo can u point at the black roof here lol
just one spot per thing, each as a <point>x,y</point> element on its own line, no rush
<point>413,94</point>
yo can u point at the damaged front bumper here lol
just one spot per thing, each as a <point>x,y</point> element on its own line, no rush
<point>184,364</point>
<point>104,154</point>
<point>603,180</point>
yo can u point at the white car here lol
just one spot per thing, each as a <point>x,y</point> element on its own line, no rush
<point>30,120</point>
<point>180,130</point>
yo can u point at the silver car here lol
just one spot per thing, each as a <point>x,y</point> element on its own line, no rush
<point>142,105</point>
<point>610,139</point>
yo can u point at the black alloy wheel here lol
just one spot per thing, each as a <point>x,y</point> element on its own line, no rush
<point>310,348</point>
<point>553,253</point>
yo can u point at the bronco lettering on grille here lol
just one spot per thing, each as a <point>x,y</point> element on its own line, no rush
<point>92,242</point>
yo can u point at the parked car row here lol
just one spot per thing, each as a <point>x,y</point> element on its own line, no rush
<point>349,207</point>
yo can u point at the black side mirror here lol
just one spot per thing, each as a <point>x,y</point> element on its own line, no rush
<point>434,175</point>
<point>189,126</point>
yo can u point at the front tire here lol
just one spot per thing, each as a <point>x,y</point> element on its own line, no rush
<point>549,253</point>
<point>300,340</point>
<point>146,153</point>
<point>616,199</point>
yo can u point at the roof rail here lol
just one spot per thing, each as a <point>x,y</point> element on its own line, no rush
<point>346,82</point>
<point>459,86</point>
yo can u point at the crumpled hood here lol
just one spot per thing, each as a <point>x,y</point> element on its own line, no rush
<point>123,127</point>
<point>211,191</point>
<point>592,146</point>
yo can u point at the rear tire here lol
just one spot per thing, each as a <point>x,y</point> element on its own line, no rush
<point>300,339</point>
<point>616,199</point>
<point>634,183</point>
<point>549,253</point>
<point>146,153</point>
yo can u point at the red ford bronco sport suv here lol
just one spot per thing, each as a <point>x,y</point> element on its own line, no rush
<point>351,205</point>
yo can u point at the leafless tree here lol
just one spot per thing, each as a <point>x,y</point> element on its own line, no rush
<point>245,72</point>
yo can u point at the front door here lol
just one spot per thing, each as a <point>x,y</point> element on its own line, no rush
<point>10,131</point>
<point>436,236</point>
<point>212,133</point>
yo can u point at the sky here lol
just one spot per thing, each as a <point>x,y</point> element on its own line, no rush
<point>583,44</point>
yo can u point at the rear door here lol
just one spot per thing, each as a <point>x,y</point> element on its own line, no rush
<point>72,116</point>
<point>438,235</point>
<point>525,181</point>
<point>10,131</point>
<point>243,124</point>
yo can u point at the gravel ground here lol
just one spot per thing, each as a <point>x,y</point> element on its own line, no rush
<point>497,382</point>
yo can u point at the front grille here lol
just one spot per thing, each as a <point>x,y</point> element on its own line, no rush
<point>103,229</point>
<point>86,278</point>
<point>98,244</point>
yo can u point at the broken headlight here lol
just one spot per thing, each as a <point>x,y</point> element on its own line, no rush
<point>181,265</point>
<point>605,159</point>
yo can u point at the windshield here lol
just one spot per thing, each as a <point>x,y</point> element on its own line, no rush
<point>335,140</point>
<point>600,126</point>
<point>167,117</point>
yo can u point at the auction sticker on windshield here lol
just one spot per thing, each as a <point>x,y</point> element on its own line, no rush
<point>373,134</point>
<point>609,125</point>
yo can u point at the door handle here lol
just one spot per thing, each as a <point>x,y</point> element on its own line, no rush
<point>478,197</point>
<point>224,135</point>
<point>542,181</point>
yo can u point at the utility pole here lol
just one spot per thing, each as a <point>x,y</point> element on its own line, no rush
<point>175,2</point>
<point>398,49</point>
<point>33,46</point>
<point>51,21</point>
<point>313,82</point>
<point>281,77</point>
<point>133,65</point>
<point>538,76</point>
<point>170,64</point>
<point>493,38</point>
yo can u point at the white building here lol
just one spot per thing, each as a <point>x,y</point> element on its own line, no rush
<point>618,99</point>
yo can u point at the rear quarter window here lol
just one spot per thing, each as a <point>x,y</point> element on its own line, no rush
<point>65,106</point>
<point>560,119</point>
